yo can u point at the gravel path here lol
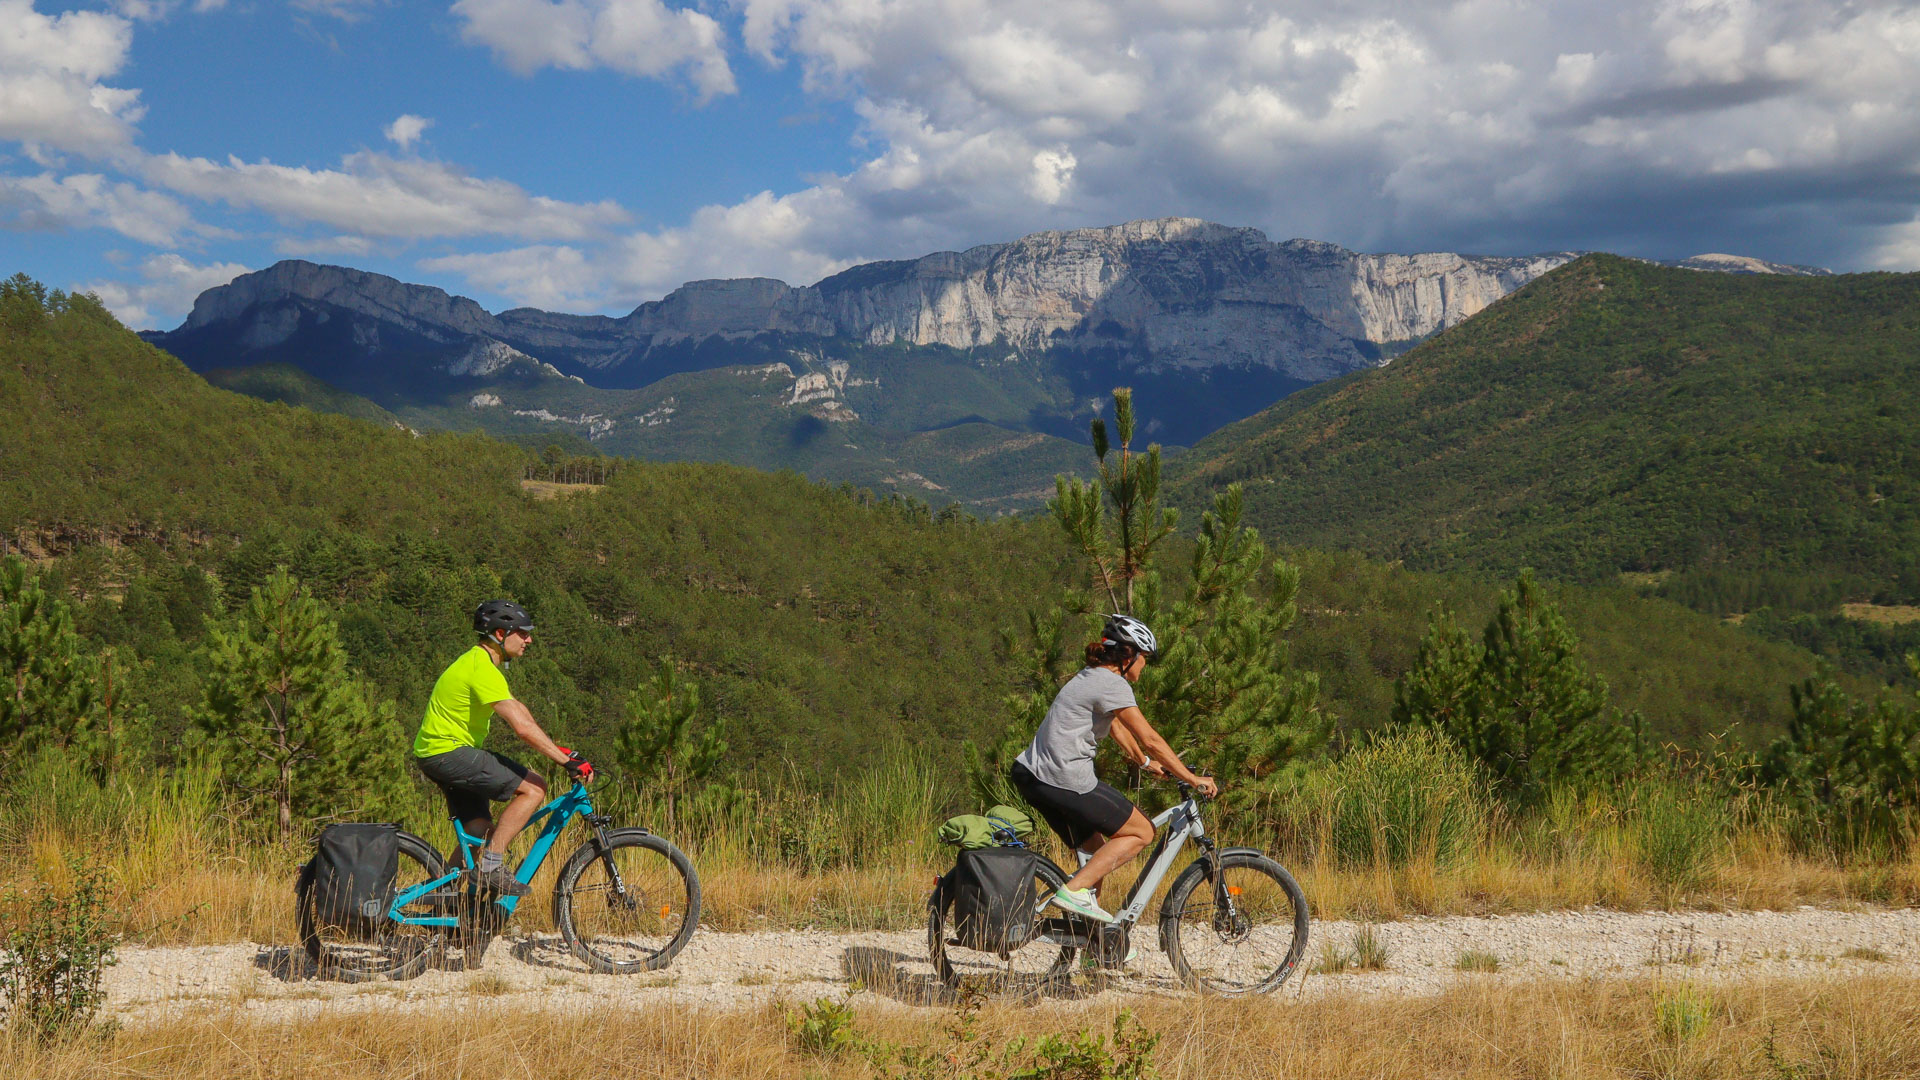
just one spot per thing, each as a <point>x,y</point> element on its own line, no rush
<point>746,970</point>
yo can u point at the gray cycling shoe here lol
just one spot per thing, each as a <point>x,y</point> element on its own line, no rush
<point>501,882</point>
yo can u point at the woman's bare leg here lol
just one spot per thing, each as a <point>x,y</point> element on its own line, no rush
<point>1114,852</point>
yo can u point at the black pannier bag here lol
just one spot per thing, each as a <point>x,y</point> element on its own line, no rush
<point>353,870</point>
<point>993,896</point>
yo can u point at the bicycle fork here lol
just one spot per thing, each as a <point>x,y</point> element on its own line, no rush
<point>600,823</point>
<point>1226,912</point>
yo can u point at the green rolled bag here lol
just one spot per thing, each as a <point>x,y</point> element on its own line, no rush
<point>998,827</point>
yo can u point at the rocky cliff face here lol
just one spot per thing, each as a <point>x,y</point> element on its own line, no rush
<point>1176,294</point>
<point>420,309</point>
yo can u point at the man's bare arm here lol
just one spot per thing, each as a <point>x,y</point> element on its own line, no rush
<point>530,732</point>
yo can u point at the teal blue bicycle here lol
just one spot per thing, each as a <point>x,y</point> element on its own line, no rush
<point>626,901</point>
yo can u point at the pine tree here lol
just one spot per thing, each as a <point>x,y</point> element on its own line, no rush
<point>51,687</point>
<point>1522,703</point>
<point>1443,688</point>
<point>1116,522</point>
<point>283,715</point>
<point>660,746</point>
<point>1850,769</point>
<point>1224,692</point>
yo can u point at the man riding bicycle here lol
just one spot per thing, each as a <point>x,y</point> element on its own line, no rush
<point>448,748</point>
<point>1055,773</point>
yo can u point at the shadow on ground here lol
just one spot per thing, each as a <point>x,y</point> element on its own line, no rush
<point>884,972</point>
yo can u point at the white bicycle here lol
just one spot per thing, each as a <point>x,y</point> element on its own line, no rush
<point>1234,922</point>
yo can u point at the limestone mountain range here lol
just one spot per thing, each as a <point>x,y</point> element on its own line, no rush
<point>1173,293</point>
<point>1210,323</point>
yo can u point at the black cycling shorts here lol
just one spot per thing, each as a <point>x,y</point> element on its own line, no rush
<point>473,779</point>
<point>1075,816</point>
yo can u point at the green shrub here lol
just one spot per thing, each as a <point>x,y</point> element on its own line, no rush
<point>1369,952</point>
<point>57,948</point>
<point>1126,1054</point>
<point>822,1028</point>
<point>1407,797</point>
<point>1090,1055</point>
<point>1521,703</point>
<point>1850,770</point>
<point>1682,1012</point>
<point>1477,960</point>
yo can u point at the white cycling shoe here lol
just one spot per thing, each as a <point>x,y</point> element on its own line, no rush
<point>1081,902</point>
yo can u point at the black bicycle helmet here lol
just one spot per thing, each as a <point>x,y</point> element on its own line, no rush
<point>500,615</point>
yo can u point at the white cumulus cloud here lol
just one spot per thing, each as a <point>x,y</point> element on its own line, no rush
<point>764,236</point>
<point>406,130</point>
<point>1659,127</point>
<point>90,200</point>
<point>52,68</point>
<point>163,293</point>
<point>374,195</point>
<point>639,37</point>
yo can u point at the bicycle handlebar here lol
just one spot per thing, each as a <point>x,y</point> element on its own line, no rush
<point>1188,791</point>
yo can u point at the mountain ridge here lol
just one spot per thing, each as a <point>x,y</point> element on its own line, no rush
<point>1743,441</point>
<point>1167,293</point>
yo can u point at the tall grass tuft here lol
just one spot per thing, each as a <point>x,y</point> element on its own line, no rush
<point>1678,831</point>
<point>1682,1012</point>
<point>1409,797</point>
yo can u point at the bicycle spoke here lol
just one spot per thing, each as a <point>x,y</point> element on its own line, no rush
<point>379,947</point>
<point>636,926</point>
<point>1033,969</point>
<point>1239,946</point>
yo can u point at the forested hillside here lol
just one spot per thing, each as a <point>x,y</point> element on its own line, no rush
<point>1743,440</point>
<point>825,621</point>
<point>821,622</point>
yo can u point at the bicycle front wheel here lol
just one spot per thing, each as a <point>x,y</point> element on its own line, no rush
<point>628,907</point>
<point>1241,935</point>
<point>379,948</point>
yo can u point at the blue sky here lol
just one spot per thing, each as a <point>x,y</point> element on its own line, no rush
<point>590,154</point>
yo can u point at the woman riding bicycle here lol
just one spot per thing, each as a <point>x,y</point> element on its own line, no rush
<point>1055,773</point>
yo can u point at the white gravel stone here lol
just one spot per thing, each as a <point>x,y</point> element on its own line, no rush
<point>743,970</point>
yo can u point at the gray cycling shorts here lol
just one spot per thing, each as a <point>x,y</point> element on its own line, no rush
<point>473,779</point>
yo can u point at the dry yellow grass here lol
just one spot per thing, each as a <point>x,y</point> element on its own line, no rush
<point>185,872</point>
<point>186,887</point>
<point>1852,1029</point>
<point>549,489</point>
<point>1881,613</point>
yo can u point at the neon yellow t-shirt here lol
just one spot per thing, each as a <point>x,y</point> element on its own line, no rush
<point>461,709</point>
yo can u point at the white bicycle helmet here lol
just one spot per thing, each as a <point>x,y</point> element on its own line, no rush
<point>1127,630</point>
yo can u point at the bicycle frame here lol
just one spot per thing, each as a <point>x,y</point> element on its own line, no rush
<point>1182,823</point>
<point>557,814</point>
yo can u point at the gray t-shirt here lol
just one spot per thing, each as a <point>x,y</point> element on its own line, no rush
<point>1062,750</point>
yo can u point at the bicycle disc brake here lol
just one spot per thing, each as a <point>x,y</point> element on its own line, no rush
<point>1231,923</point>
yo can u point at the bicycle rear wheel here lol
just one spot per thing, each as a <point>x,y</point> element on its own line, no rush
<point>1244,937</point>
<point>641,923</point>
<point>1032,969</point>
<point>385,949</point>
